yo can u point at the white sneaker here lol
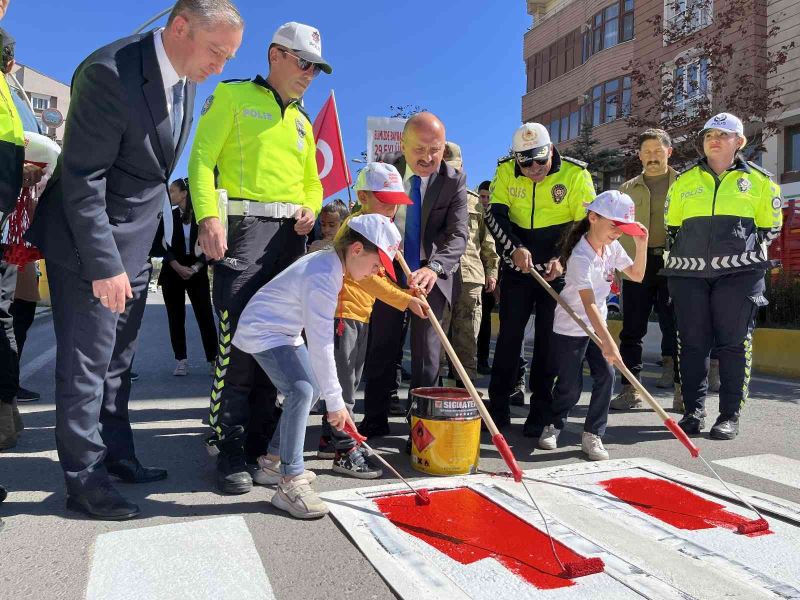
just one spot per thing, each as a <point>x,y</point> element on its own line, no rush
<point>298,498</point>
<point>592,446</point>
<point>549,438</point>
<point>269,473</point>
<point>181,368</point>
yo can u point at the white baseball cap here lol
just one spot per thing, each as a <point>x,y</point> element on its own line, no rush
<point>619,209</point>
<point>303,40</point>
<point>382,232</point>
<point>383,180</point>
<point>724,122</point>
<point>531,142</point>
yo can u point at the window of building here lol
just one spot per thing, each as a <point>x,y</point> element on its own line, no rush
<point>682,17</point>
<point>608,101</point>
<point>791,165</point>
<point>40,102</point>
<point>691,83</point>
<point>558,58</point>
<point>609,27</point>
<point>563,122</point>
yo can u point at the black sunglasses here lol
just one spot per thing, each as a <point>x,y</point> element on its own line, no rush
<point>525,160</point>
<point>303,64</point>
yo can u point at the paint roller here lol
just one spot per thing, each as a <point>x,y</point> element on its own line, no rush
<point>569,570</point>
<point>421,496</point>
<point>749,527</point>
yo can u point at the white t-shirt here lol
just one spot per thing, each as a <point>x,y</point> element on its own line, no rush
<point>304,296</point>
<point>586,270</point>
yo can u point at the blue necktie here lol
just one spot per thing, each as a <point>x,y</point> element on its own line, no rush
<point>177,111</point>
<point>413,225</point>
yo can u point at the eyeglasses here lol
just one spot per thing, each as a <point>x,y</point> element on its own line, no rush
<point>528,161</point>
<point>303,64</point>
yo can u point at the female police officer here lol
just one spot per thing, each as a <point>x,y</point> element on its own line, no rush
<point>721,214</point>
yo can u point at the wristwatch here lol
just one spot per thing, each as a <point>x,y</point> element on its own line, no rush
<point>436,267</point>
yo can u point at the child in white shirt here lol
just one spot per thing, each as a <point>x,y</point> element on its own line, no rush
<point>304,297</point>
<point>592,254</point>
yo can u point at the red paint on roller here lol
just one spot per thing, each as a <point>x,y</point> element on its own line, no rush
<point>679,507</point>
<point>468,527</point>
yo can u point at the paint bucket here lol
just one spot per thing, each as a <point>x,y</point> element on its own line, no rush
<point>445,431</point>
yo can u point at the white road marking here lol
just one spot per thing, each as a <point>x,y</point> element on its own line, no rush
<point>31,367</point>
<point>767,466</point>
<point>209,558</point>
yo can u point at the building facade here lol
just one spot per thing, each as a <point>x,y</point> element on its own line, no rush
<point>45,93</point>
<point>578,55</point>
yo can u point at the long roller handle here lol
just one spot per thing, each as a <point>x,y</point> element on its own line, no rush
<point>497,438</point>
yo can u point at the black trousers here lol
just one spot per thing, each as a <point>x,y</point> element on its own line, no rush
<point>9,356</point>
<point>94,350</point>
<point>23,311</point>
<point>485,332</point>
<point>567,356</point>
<point>716,312</point>
<point>521,296</point>
<point>242,394</point>
<point>175,290</point>
<point>638,301</point>
<point>386,338</point>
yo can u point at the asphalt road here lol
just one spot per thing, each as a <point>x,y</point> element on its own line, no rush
<point>48,552</point>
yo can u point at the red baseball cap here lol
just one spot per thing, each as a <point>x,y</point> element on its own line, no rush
<point>384,181</point>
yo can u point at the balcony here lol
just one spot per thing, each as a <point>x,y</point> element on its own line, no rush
<point>541,10</point>
<point>687,22</point>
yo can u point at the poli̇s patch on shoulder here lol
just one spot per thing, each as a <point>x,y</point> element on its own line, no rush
<point>207,105</point>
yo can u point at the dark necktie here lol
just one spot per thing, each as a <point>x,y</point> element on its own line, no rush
<point>413,224</point>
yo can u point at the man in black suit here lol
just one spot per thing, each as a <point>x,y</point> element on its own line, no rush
<point>435,232</point>
<point>130,114</point>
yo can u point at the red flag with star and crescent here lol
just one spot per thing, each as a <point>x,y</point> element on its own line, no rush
<point>331,164</point>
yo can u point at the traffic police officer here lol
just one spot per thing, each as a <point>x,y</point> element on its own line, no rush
<point>536,195</point>
<point>256,134</point>
<point>721,215</point>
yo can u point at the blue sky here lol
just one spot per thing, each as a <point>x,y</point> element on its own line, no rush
<point>461,60</point>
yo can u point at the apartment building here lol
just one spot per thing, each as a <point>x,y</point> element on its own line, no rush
<point>577,55</point>
<point>49,97</point>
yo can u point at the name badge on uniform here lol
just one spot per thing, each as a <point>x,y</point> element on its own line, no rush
<point>559,192</point>
<point>301,133</point>
<point>743,184</point>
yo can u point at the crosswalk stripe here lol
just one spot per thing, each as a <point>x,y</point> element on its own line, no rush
<point>179,561</point>
<point>767,466</point>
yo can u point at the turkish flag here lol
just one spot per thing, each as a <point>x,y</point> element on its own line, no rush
<point>331,163</point>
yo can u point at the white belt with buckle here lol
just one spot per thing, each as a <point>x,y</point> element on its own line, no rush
<point>271,210</point>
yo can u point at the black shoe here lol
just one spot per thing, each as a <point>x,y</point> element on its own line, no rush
<point>325,448</point>
<point>500,421</point>
<point>132,471</point>
<point>372,429</point>
<point>3,493</point>
<point>484,368</point>
<point>26,395</point>
<point>693,422</point>
<point>104,503</point>
<point>517,398</point>
<point>532,429</point>
<point>397,408</point>
<point>232,474</point>
<point>134,376</point>
<point>726,427</point>
<point>353,463</point>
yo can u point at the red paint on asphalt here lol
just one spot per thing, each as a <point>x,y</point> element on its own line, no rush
<point>468,527</point>
<point>674,504</point>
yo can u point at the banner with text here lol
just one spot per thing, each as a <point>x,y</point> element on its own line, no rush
<point>383,135</point>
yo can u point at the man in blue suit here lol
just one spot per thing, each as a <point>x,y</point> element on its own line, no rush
<point>130,115</point>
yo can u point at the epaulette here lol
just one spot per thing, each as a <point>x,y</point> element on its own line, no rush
<point>505,158</point>
<point>760,169</point>
<point>575,161</point>
<point>236,80</point>
<point>687,169</point>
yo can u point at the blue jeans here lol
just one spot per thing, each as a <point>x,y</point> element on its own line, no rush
<point>289,368</point>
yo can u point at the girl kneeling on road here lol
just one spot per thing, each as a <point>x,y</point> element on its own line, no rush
<point>304,297</point>
<point>592,254</point>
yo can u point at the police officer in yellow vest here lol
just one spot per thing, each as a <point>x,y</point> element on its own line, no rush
<point>256,133</point>
<point>14,174</point>
<point>721,215</point>
<point>535,196</point>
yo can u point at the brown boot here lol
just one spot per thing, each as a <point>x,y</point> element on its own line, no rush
<point>8,432</point>
<point>677,399</point>
<point>667,378</point>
